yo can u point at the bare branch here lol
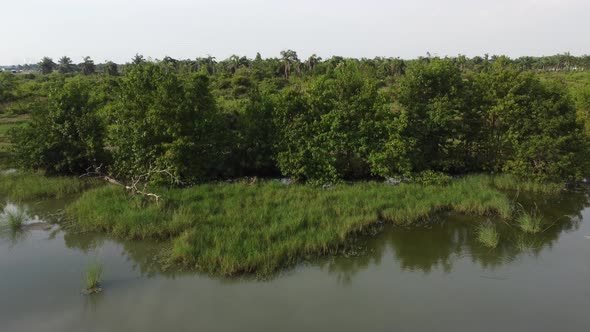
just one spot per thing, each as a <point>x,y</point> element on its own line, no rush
<point>135,181</point>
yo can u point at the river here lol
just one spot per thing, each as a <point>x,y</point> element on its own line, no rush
<point>434,276</point>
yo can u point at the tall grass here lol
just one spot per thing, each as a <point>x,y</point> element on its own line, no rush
<point>93,277</point>
<point>530,222</point>
<point>235,228</point>
<point>488,236</point>
<point>511,182</point>
<point>25,186</point>
<point>13,216</point>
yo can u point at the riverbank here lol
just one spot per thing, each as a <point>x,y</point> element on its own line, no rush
<point>261,228</point>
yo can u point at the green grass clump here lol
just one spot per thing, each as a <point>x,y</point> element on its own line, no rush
<point>530,222</point>
<point>14,217</point>
<point>25,186</point>
<point>93,277</point>
<point>511,182</point>
<point>488,236</point>
<point>16,220</point>
<point>231,228</point>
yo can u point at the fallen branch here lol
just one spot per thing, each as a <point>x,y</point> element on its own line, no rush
<point>132,188</point>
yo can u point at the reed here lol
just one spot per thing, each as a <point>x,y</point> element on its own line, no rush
<point>92,278</point>
<point>237,228</point>
<point>488,236</point>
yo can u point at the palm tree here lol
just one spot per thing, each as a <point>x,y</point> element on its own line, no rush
<point>65,65</point>
<point>207,63</point>
<point>289,59</point>
<point>235,62</point>
<point>138,59</point>
<point>312,61</point>
<point>87,66</point>
<point>111,69</point>
<point>46,65</point>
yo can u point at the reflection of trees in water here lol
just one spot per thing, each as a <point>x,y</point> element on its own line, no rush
<point>86,242</point>
<point>143,256</point>
<point>438,244</point>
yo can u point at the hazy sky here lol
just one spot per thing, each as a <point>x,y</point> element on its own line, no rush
<point>118,29</point>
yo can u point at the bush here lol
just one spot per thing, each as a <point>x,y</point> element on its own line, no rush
<point>67,136</point>
<point>165,119</point>
<point>430,178</point>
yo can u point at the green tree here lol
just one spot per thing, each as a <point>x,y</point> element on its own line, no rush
<point>336,128</point>
<point>66,137</point>
<point>46,66</point>
<point>290,61</point>
<point>312,62</point>
<point>165,120</point>
<point>440,117</point>
<point>87,66</point>
<point>65,65</point>
<point>138,59</point>
<point>7,86</point>
<point>111,68</point>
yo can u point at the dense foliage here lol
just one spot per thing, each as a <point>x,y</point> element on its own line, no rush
<point>65,137</point>
<point>314,120</point>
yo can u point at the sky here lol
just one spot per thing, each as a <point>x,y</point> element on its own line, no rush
<point>118,29</point>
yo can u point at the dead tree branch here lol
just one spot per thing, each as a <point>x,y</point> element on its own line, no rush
<point>136,181</point>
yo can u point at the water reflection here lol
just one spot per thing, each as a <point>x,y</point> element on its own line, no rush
<point>441,242</point>
<point>144,256</point>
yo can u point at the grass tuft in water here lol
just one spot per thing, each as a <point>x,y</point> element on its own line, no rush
<point>488,236</point>
<point>530,222</point>
<point>16,220</point>
<point>92,278</point>
<point>14,217</point>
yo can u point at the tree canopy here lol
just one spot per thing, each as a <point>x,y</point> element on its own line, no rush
<point>313,120</point>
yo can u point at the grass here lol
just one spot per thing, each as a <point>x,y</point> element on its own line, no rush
<point>93,277</point>
<point>513,183</point>
<point>14,216</point>
<point>26,186</point>
<point>488,236</point>
<point>7,122</point>
<point>236,228</point>
<point>530,222</point>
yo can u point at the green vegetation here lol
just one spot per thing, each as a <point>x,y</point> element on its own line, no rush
<point>27,186</point>
<point>92,278</point>
<point>174,127</point>
<point>511,182</point>
<point>243,228</point>
<point>316,120</point>
<point>488,236</point>
<point>526,242</point>
<point>530,222</point>
<point>14,216</point>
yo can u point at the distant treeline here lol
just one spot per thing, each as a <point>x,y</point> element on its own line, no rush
<point>558,62</point>
<point>315,120</point>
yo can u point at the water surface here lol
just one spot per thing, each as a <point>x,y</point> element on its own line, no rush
<point>432,277</point>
